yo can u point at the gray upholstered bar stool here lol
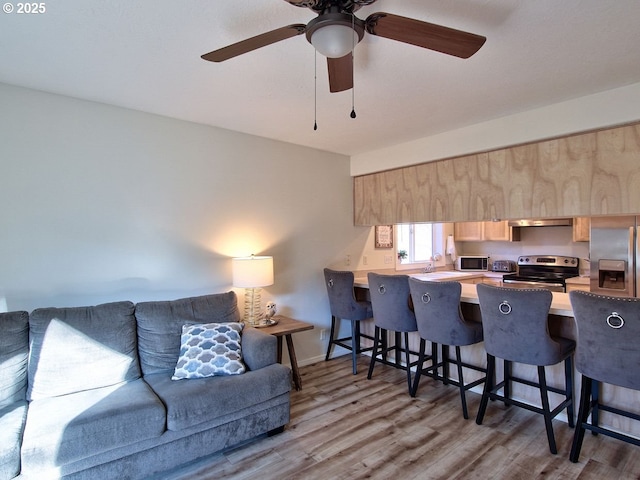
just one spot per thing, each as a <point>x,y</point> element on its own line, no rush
<point>515,324</point>
<point>390,299</point>
<point>344,306</point>
<point>440,321</point>
<point>608,352</point>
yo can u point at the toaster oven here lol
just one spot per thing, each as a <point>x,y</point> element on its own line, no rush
<point>506,266</point>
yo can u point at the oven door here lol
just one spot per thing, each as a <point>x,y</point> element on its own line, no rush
<point>554,287</point>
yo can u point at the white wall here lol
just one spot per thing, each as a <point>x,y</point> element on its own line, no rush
<point>100,203</point>
<point>613,107</point>
<point>364,256</point>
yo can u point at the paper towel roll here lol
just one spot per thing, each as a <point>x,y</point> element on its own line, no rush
<point>451,248</point>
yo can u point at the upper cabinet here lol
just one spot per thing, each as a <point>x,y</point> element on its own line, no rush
<point>485,232</point>
<point>593,173</point>
<point>581,229</point>
<point>468,231</point>
<point>501,231</point>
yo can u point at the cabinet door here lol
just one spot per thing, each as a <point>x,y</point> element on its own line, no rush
<point>485,231</point>
<point>574,286</point>
<point>471,280</point>
<point>581,227</point>
<point>501,231</point>
<point>496,282</point>
<point>497,231</point>
<point>468,231</point>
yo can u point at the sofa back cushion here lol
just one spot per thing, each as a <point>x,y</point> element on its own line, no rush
<point>14,350</point>
<point>81,348</point>
<point>160,326</point>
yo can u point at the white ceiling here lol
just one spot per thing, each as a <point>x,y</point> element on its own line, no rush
<point>145,55</point>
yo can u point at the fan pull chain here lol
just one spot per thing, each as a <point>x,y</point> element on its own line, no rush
<point>315,91</point>
<point>353,90</point>
<point>353,68</point>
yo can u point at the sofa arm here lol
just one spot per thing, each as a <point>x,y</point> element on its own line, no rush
<point>259,349</point>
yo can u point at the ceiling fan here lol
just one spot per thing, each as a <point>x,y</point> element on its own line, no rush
<point>336,30</point>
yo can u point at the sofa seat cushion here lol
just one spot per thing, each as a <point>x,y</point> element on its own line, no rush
<point>81,348</point>
<point>191,402</point>
<point>12,420</point>
<point>68,428</point>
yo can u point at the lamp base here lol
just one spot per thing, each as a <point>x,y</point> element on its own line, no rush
<point>252,309</point>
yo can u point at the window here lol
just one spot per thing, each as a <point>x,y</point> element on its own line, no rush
<point>414,243</point>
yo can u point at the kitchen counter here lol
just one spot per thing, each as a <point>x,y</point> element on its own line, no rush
<point>560,305</point>
<point>578,280</point>
<point>436,276</point>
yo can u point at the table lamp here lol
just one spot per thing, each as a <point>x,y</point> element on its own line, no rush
<point>252,273</point>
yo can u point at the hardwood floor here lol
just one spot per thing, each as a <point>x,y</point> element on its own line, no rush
<point>344,426</point>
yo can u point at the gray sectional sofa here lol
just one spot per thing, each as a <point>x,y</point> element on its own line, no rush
<point>87,392</point>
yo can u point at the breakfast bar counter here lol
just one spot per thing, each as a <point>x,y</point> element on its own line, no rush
<point>560,304</point>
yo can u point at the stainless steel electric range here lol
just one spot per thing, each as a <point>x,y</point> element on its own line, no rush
<point>543,271</point>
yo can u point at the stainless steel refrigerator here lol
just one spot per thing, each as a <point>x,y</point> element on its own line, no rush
<point>614,256</point>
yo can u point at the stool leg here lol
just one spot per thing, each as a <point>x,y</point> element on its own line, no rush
<point>445,364</point>
<point>583,415</point>
<point>595,402</point>
<point>419,367</point>
<point>568,377</point>
<point>463,398</point>
<point>544,397</point>
<point>434,362</point>
<point>507,381</point>
<point>355,346</point>
<point>488,386</point>
<point>407,360</point>
<point>385,346</point>
<point>374,352</point>
<point>331,337</point>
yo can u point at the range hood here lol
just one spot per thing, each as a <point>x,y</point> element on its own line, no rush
<point>543,222</point>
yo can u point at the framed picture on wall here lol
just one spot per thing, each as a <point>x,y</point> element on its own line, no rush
<point>384,236</point>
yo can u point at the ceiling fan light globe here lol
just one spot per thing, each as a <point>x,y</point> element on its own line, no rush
<point>334,41</point>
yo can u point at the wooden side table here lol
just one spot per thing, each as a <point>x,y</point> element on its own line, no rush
<point>285,328</point>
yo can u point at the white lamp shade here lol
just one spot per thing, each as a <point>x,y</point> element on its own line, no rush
<point>334,41</point>
<point>252,272</point>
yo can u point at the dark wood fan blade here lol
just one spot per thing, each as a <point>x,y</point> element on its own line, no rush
<point>340,73</point>
<point>254,43</point>
<point>423,34</point>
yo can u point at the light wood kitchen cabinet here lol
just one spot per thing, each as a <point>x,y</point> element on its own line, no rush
<point>501,231</point>
<point>472,280</point>
<point>496,282</point>
<point>577,286</point>
<point>485,232</point>
<point>553,178</point>
<point>581,229</point>
<point>468,232</point>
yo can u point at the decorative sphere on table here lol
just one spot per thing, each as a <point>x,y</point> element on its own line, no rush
<point>270,310</point>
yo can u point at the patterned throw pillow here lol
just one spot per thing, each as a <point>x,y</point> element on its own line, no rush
<point>210,349</point>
